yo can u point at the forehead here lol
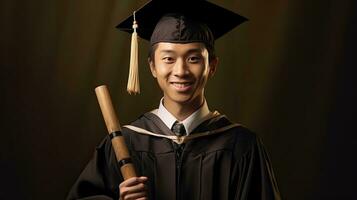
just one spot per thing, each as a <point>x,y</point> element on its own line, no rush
<point>180,48</point>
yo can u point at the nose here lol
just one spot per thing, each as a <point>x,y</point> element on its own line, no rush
<point>180,68</point>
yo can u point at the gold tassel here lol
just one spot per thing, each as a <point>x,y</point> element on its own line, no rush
<point>133,86</point>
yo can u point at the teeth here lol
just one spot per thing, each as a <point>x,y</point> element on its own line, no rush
<point>181,85</point>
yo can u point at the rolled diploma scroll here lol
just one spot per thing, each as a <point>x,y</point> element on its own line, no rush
<point>114,130</point>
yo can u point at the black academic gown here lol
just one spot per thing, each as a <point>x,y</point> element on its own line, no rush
<point>230,165</point>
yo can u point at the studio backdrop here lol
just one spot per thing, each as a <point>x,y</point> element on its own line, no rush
<point>286,74</point>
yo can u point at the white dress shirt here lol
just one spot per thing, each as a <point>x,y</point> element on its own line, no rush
<point>190,123</point>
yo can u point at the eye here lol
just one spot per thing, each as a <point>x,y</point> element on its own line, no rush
<point>168,59</point>
<point>194,59</point>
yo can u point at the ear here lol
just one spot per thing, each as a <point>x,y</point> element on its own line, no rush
<point>213,66</point>
<point>152,67</point>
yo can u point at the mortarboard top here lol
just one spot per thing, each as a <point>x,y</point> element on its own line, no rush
<point>176,21</point>
<point>218,19</point>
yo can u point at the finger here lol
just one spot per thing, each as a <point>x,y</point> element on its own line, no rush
<point>129,182</point>
<point>135,195</point>
<point>140,187</point>
<point>142,179</point>
<point>133,181</point>
<point>142,198</point>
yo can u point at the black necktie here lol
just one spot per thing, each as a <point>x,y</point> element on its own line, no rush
<point>179,129</point>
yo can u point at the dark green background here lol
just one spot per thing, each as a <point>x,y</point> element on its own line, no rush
<point>286,74</point>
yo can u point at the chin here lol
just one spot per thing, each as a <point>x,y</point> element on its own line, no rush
<point>182,98</point>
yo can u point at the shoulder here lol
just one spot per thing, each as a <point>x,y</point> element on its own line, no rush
<point>143,121</point>
<point>244,134</point>
<point>147,121</point>
<point>240,132</point>
<point>232,135</point>
<point>242,138</point>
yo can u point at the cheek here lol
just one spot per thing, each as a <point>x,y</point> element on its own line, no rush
<point>200,72</point>
<point>161,71</point>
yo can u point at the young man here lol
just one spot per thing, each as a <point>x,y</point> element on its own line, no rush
<point>182,150</point>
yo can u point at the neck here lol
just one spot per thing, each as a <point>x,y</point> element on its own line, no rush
<point>182,110</point>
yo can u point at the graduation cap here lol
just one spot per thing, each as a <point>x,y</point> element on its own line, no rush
<point>176,22</point>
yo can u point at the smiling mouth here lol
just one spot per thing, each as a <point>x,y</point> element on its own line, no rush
<point>182,86</point>
<point>185,84</point>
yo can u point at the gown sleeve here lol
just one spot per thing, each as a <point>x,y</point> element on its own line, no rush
<point>253,175</point>
<point>100,179</point>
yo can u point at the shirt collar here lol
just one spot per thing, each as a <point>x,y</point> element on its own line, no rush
<point>190,123</point>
